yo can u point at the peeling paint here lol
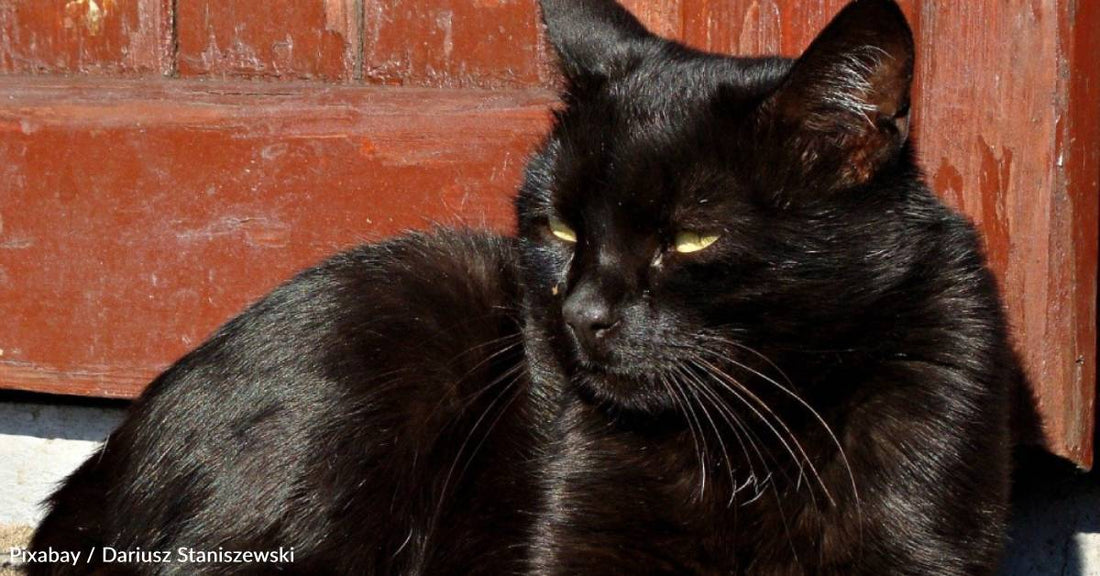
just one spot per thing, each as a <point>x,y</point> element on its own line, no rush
<point>283,55</point>
<point>274,151</point>
<point>337,17</point>
<point>239,56</point>
<point>445,22</point>
<point>259,232</point>
<point>16,244</point>
<point>948,181</point>
<point>88,13</point>
<point>996,181</point>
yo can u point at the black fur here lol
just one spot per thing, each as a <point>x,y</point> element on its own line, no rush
<point>823,390</point>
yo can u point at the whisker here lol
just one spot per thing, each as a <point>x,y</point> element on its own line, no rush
<point>701,439</point>
<point>718,433</point>
<point>752,437</point>
<point>473,398</point>
<point>514,373</point>
<point>729,382</point>
<point>733,422</point>
<point>817,416</point>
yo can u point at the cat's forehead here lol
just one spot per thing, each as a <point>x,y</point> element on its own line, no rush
<point>663,99</point>
<point>650,141</point>
<point>677,79</point>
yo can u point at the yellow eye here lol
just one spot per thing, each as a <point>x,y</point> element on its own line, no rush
<point>562,230</point>
<point>688,242</point>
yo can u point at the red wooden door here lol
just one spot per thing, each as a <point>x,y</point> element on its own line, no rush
<point>163,163</point>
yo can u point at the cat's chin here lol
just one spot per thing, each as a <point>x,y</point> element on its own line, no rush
<point>624,390</point>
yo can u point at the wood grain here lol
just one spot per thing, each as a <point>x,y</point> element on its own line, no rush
<point>473,43</point>
<point>137,217</point>
<point>119,37</point>
<point>280,39</point>
<point>453,43</point>
<point>1077,186</point>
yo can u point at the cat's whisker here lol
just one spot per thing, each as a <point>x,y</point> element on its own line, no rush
<point>820,419</point>
<point>517,337</point>
<point>492,425</point>
<point>760,487</point>
<point>717,433</point>
<point>801,459</point>
<point>756,443</point>
<point>701,439</point>
<point>741,392</point>
<point>752,351</point>
<point>733,423</point>
<point>690,370</point>
<point>458,381</point>
<point>787,390</point>
<point>787,528</point>
<point>683,411</point>
<point>797,398</point>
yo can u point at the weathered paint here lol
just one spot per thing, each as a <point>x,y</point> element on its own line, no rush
<point>285,39</point>
<point>153,212</point>
<point>118,37</point>
<point>458,43</point>
<point>1077,193</point>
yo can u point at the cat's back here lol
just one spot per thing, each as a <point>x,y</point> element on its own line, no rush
<point>346,415</point>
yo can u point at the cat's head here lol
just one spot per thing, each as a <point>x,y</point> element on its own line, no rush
<point>689,205</point>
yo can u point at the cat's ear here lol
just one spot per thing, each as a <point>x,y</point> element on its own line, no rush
<point>592,38</point>
<point>846,100</point>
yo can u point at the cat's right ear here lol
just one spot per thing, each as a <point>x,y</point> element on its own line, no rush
<point>592,38</point>
<point>843,109</point>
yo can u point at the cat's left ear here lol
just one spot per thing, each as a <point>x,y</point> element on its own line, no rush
<point>846,100</point>
<point>592,38</point>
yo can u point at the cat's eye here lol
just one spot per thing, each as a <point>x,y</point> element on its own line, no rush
<point>688,242</point>
<point>562,230</point>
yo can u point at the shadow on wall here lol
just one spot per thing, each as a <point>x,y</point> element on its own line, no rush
<point>1055,520</point>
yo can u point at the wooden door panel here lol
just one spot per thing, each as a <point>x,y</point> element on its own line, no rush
<point>453,43</point>
<point>120,37</point>
<point>121,248</point>
<point>280,39</point>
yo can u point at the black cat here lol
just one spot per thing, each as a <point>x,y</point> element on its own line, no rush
<point>737,335</point>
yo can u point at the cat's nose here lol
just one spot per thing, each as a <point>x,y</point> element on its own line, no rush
<point>590,317</point>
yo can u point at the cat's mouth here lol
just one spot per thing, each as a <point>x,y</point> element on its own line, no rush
<point>612,368</point>
<point>630,388</point>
